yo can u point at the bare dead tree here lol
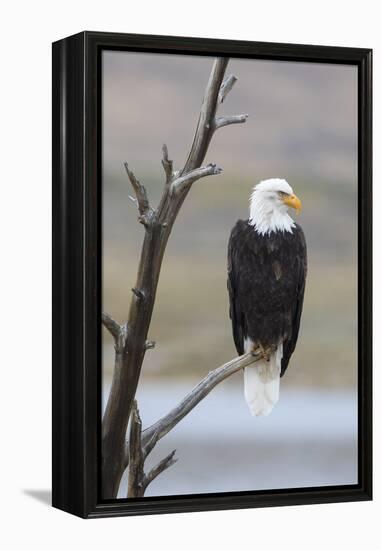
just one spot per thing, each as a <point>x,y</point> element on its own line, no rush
<point>130,339</point>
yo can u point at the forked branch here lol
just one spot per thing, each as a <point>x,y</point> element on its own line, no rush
<point>142,443</point>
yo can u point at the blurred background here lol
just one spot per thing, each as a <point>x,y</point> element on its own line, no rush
<point>302,126</point>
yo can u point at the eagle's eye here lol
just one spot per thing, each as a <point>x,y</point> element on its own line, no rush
<point>282,194</point>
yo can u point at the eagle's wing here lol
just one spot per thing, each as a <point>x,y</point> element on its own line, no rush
<point>301,273</point>
<point>236,315</point>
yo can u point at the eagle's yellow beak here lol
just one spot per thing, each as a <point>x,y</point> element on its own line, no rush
<point>294,202</point>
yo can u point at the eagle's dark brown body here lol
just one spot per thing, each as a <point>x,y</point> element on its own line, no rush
<point>266,280</point>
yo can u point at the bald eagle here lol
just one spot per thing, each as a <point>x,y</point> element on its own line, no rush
<point>267,266</point>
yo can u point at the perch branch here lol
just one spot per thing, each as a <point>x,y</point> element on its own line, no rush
<point>150,436</point>
<point>154,433</point>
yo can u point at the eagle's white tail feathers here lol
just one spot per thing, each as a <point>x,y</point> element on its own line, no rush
<point>261,382</point>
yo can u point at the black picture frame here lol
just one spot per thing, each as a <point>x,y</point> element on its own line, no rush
<point>77,268</point>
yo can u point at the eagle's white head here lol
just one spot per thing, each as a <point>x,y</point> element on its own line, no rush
<point>269,203</point>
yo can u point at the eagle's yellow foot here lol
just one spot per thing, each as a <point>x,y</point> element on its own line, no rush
<point>260,349</point>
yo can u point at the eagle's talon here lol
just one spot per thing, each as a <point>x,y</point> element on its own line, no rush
<point>260,350</point>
